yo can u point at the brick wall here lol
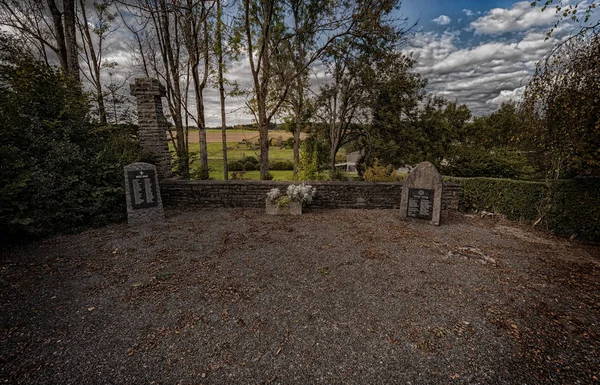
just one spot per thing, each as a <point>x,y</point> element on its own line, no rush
<point>152,124</point>
<point>330,195</point>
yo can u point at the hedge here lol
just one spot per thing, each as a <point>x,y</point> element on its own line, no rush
<point>566,207</point>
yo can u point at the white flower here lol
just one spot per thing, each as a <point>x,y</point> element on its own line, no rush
<point>301,193</point>
<point>273,194</point>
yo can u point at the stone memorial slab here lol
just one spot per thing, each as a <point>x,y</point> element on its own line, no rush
<point>142,192</point>
<point>422,194</point>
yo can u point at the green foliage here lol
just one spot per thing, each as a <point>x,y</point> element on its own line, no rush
<point>308,169</point>
<point>281,165</point>
<point>380,173</point>
<point>573,12</point>
<point>476,161</point>
<point>575,208</point>
<point>283,201</point>
<point>566,207</point>
<point>201,173</point>
<point>402,134</point>
<point>235,165</point>
<point>246,163</point>
<point>59,172</point>
<point>562,113</point>
<point>515,199</point>
<point>500,129</point>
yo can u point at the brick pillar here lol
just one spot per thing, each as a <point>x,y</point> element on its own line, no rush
<point>152,124</point>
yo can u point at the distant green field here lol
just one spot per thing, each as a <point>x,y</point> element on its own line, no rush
<point>238,150</point>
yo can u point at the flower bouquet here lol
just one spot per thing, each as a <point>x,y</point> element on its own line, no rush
<point>291,202</point>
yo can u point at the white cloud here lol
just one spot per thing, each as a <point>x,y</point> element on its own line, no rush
<point>521,17</point>
<point>507,96</point>
<point>481,76</point>
<point>468,12</point>
<point>442,20</point>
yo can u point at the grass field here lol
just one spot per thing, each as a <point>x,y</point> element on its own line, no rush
<point>238,150</point>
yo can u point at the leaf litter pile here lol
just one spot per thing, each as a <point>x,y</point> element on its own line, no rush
<point>340,296</point>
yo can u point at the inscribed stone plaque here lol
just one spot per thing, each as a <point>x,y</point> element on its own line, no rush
<point>143,189</point>
<point>422,194</point>
<point>420,203</point>
<point>142,192</point>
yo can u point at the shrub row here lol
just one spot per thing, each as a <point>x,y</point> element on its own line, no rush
<point>251,164</point>
<point>566,207</point>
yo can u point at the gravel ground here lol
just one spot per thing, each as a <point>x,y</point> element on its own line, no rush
<point>341,296</point>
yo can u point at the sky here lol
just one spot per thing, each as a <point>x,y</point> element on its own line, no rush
<point>481,52</point>
<point>476,52</point>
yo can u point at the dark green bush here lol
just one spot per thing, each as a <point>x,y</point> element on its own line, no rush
<point>235,165</point>
<point>282,165</point>
<point>566,207</point>
<point>249,166</point>
<point>513,198</point>
<point>575,208</point>
<point>471,161</point>
<point>58,172</point>
<point>250,159</point>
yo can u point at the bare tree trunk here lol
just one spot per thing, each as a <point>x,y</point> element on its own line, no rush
<point>71,38</point>
<point>332,154</point>
<point>264,141</point>
<point>60,35</point>
<point>298,126</point>
<point>94,61</point>
<point>193,21</point>
<point>261,74</point>
<point>170,54</point>
<point>333,137</point>
<point>201,114</point>
<point>219,47</point>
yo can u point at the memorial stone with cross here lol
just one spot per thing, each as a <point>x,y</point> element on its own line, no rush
<point>422,194</point>
<point>142,192</point>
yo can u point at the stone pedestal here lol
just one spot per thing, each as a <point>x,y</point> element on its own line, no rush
<point>293,208</point>
<point>152,124</point>
<point>142,193</point>
<point>421,197</point>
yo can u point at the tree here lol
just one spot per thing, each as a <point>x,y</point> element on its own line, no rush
<point>162,50</point>
<point>562,110</point>
<point>66,35</point>
<point>306,16</point>
<point>393,134</point>
<point>221,82</point>
<point>263,25</point>
<point>29,19</point>
<point>567,11</point>
<point>500,129</point>
<point>60,172</point>
<point>193,17</point>
<point>93,48</point>
<point>116,99</point>
<point>340,103</point>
